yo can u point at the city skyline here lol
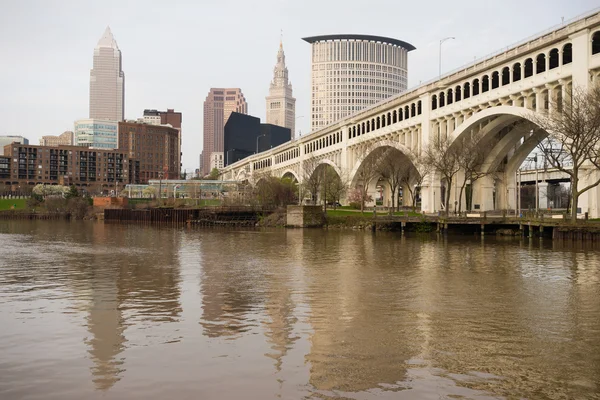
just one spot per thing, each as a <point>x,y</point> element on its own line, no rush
<point>50,71</point>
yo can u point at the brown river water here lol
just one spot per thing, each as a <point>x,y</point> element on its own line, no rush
<point>101,311</point>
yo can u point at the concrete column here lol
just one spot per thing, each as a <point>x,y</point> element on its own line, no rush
<point>484,193</point>
<point>538,100</point>
<point>581,55</point>
<point>543,195</point>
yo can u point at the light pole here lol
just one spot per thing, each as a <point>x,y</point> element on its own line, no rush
<point>294,133</point>
<point>440,58</point>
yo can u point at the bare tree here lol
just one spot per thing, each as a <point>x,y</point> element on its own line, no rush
<point>471,156</point>
<point>367,171</point>
<point>394,169</point>
<point>311,181</point>
<point>335,186</point>
<point>415,175</point>
<point>443,157</point>
<point>573,142</point>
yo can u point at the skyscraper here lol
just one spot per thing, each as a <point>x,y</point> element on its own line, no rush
<point>218,106</point>
<point>107,80</point>
<point>352,72</point>
<point>281,105</point>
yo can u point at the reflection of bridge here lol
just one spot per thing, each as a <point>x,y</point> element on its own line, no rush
<point>491,97</point>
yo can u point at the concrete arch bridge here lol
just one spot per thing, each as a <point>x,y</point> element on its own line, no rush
<point>492,98</point>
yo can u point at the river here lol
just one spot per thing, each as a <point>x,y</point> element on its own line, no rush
<point>105,311</point>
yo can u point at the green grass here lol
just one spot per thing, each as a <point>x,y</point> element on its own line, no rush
<point>342,212</point>
<point>6,204</point>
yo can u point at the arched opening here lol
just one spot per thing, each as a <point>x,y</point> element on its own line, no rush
<point>495,80</point>
<point>378,179</point>
<point>516,72</point>
<point>553,59</point>
<point>400,115</point>
<point>540,63</point>
<point>368,126</point>
<point>394,117</point>
<point>485,84</point>
<point>354,131</point>
<point>457,93</point>
<point>528,68</point>
<point>596,42</point>
<point>467,90</point>
<point>373,124</point>
<point>434,102</point>
<point>383,121</point>
<point>419,107</point>
<point>475,87</point>
<point>442,99</point>
<point>413,110</point>
<point>505,76</point>
<point>567,54</point>
<point>450,96</point>
<point>389,118</point>
<point>406,113</point>
<point>378,123</point>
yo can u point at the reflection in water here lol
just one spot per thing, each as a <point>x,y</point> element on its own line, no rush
<point>156,313</point>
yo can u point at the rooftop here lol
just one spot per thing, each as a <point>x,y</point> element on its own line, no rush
<point>371,38</point>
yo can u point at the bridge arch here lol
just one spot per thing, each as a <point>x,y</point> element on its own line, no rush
<point>377,146</point>
<point>288,172</point>
<point>510,114</point>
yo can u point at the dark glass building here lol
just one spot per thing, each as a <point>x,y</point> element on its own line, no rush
<point>245,135</point>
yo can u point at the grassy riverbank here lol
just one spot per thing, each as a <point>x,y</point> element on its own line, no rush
<point>7,204</point>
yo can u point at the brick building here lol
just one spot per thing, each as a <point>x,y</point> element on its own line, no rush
<point>94,169</point>
<point>156,147</point>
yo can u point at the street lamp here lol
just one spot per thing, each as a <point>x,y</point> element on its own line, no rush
<point>440,58</point>
<point>300,116</point>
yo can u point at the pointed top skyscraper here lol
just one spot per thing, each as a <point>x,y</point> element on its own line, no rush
<point>281,104</point>
<point>107,80</point>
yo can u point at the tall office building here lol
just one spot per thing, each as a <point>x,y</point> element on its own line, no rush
<point>281,105</point>
<point>218,106</point>
<point>170,117</point>
<point>107,81</point>
<point>352,72</point>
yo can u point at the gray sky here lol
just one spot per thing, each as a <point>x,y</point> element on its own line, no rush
<point>175,51</point>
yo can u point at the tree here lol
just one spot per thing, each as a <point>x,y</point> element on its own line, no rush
<point>573,142</point>
<point>72,193</point>
<point>311,180</point>
<point>394,169</point>
<point>441,156</point>
<point>415,175</point>
<point>367,171</point>
<point>150,192</point>
<point>214,174</point>
<point>334,185</point>
<point>471,156</point>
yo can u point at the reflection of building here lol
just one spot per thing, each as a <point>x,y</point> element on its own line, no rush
<point>245,135</point>
<point>141,292</point>
<point>218,106</point>
<point>97,133</point>
<point>281,104</point>
<point>64,139</point>
<point>156,147</point>
<point>4,140</point>
<point>351,72</point>
<point>107,80</point>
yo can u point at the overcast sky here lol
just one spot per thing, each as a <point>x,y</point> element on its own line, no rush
<point>175,51</point>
